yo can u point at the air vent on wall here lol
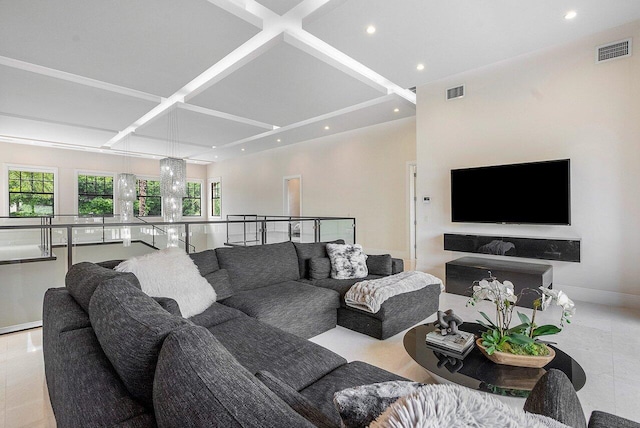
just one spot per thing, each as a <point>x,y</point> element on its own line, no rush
<point>457,92</point>
<point>614,50</point>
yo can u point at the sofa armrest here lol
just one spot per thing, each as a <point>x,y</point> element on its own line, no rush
<point>607,420</point>
<point>554,396</point>
<point>397,266</point>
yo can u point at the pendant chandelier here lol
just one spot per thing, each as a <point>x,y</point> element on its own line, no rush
<point>126,196</point>
<point>173,181</point>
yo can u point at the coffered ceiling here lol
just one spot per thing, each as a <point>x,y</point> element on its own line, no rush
<point>249,75</point>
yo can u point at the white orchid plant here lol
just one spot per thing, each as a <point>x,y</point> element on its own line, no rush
<point>521,339</point>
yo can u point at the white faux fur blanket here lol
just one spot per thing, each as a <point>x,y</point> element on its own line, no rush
<point>369,295</point>
<point>454,406</point>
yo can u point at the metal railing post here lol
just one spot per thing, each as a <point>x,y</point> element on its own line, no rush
<point>354,230</point>
<point>263,225</point>
<point>69,248</point>
<point>186,237</point>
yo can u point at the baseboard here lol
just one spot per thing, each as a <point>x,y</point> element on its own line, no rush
<point>20,327</point>
<point>603,297</point>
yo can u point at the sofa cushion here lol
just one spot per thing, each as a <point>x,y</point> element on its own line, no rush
<point>554,396</point>
<point>284,304</point>
<point>220,282</point>
<point>295,400</point>
<point>199,384</point>
<point>357,373</point>
<point>309,250</point>
<point>169,305</point>
<point>319,268</point>
<point>82,279</point>
<point>379,264</point>
<point>206,261</point>
<point>216,314</point>
<point>172,273</point>
<point>86,375</point>
<point>259,266</point>
<point>131,327</point>
<point>340,285</point>
<point>257,346</point>
<point>347,261</point>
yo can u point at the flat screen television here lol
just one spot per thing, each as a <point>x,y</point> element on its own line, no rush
<point>524,193</point>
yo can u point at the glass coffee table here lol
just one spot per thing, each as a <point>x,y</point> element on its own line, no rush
<point>477,372</point>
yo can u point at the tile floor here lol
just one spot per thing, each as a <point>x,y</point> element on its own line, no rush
<point>604,340</point>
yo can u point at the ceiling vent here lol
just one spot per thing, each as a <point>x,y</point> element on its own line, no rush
<point>457,92</point>
<point>614,50</point>
<point>413,89</point>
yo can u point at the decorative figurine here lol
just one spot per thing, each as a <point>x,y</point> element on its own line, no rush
<point>448,322</point>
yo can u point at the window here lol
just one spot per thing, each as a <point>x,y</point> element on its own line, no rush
<point>31,193</point>
<point>192,202</point>
<point>149,202</point>
<point>216,199</point>
<point>95,194</point>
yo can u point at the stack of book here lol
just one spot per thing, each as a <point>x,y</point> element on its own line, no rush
<point>457,344</point>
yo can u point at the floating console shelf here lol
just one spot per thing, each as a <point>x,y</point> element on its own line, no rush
<point>565,250</point>
<point>461,273</point>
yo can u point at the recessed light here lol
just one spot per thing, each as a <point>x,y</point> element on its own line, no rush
<point>395,110</point>
<point>420,67</point>
<point>213,147</point>
<point>278,140</point>
<point>326,128</point>
<point>242,149</point>
<point>571,14</point>
<point>216,156</point>
<point>371,29</point>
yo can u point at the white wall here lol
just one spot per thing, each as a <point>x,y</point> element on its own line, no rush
<point>361,174</point>
<point>550,105</point>
<point>69,161</point>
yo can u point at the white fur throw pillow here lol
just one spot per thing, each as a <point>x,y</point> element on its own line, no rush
<point>455,406</point>
<point>172,273</point>
<point>347,261</point>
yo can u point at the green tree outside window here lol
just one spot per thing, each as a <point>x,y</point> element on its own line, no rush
<point>31,194</point>
<point>191,204</point>
<point>95,195</point>
<point>149,201</point>
<point>216,199</point>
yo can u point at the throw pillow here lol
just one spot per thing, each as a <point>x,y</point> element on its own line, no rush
<point>172,273</point>
<point>220,282</point>
<point>456,405</point>
<point>359,406</point>
<point>347,261</point>
<point>380,265</point>
<point>319,268</point>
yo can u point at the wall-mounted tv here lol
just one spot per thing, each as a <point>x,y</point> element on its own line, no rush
<point>524,193</point>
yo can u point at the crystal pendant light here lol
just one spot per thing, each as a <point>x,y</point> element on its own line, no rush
<point>173,182</point>
<point>126,196</point>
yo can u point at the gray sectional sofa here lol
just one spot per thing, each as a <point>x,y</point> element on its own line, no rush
<point>117,357</point>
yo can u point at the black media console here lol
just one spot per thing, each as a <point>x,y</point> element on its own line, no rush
<point>461,273</point>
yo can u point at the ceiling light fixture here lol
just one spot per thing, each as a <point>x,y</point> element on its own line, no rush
<point>173,178</point>
<point>278,140</point>
<point>570,15</point>
<point>395,110</point>
<point>420,67</point>
<point>216,156</point>
<point>371,29</point>
<point>213,147</point>
<point>242,149</point>
<point>326,128</point>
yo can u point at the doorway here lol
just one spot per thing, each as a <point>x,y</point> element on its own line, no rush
<point>413,199</point>
<point>293,204</point>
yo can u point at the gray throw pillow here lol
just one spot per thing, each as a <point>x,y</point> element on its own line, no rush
<point>319,268</point>
<point>347,261</point>
<point>361,405</point>
<point>379,264</point>
<point>220,282</point>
